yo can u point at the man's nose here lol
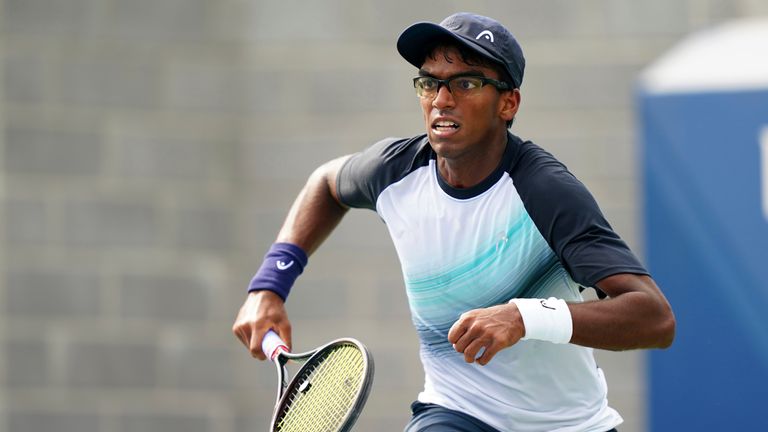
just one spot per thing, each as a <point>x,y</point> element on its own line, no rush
<point>444,97</point>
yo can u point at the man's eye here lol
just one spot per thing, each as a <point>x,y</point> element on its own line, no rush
<point>429,84</point>
<point>466,83</point>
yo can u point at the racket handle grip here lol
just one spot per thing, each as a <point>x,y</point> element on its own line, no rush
<point>272,344</point>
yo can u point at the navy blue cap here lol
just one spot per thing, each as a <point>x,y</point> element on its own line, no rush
<point>482,35</point>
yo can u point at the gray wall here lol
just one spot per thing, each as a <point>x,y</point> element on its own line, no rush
<point>149,150</point>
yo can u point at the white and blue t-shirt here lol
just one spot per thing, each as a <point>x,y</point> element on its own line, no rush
<point>529,230</point>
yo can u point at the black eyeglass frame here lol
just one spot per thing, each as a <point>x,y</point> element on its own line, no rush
<point>500,85</point>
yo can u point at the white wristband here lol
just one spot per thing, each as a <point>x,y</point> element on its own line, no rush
<point>547,320</point>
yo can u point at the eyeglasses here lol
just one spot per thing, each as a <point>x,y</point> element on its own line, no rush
<point>428,87</point>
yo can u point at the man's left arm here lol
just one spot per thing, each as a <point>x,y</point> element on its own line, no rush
<point>636,315</point>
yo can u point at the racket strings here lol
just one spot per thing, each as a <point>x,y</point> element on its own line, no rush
<point>334,384</point>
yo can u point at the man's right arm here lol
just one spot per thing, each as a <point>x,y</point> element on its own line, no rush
<point>312,217</point>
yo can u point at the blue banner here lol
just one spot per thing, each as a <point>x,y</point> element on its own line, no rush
<point>707,246</point>
<point>706,213</point>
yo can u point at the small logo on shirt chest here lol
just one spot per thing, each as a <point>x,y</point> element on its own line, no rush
<point>501,241</point>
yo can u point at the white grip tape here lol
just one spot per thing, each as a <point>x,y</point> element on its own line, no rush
<point>271,344</point>
<point>545,319</point>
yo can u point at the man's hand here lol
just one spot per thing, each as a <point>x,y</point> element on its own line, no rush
<point>493,328</point>
<point>262,310</point>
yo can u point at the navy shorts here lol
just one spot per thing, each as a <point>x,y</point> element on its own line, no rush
<point>434,418</point>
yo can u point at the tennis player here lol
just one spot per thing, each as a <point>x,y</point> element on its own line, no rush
<point>496,239</point>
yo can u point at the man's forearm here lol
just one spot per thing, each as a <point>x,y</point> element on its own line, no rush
<point>636,316</point>
<point>312,217</point>
<point>316,211</point>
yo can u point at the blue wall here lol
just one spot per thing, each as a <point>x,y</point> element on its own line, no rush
<point>707,246</point>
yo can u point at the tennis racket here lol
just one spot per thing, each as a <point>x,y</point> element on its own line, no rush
<point>327,393</point>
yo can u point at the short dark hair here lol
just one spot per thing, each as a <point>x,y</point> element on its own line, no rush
<point>471,58</point>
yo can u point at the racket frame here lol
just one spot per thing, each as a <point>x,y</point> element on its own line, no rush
<point>282,357</point>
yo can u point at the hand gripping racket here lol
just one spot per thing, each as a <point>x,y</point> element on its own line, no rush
<point>328,393</point>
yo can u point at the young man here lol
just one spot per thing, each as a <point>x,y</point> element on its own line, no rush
<point>496,239</point>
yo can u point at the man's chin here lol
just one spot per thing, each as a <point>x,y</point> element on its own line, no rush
<point>445,148</point>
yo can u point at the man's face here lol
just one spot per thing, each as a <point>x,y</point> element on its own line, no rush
<point>457,124</point>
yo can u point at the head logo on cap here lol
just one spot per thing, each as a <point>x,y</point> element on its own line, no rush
<point>486,34</point>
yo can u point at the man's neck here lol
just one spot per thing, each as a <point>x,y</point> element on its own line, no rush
<point>470,169</point>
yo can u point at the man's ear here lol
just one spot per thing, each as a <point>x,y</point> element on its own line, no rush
<point>509,104</point>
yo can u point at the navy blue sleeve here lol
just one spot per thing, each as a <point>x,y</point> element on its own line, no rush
<point>365,174</point>
<point>569,218</point>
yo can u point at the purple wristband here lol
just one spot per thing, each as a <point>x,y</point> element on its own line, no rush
<point>282,264</point>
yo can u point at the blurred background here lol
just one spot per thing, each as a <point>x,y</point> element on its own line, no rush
<point>149,150</point>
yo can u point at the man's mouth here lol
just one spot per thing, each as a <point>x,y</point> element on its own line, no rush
<point>445,126</point>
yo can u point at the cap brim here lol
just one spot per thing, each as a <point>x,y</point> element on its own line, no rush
<point>414,42</point>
